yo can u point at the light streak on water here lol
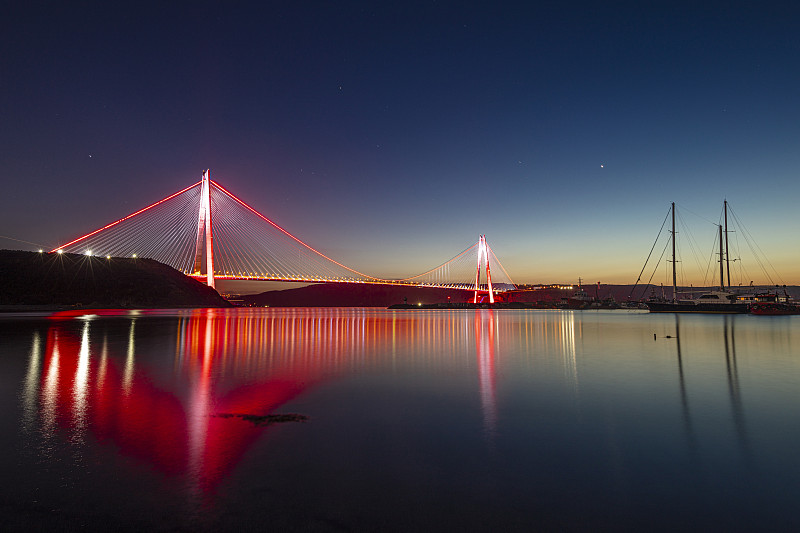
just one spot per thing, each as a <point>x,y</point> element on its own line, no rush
<point>130,358</point>
<point>31,386</point>
<point>80,388</point>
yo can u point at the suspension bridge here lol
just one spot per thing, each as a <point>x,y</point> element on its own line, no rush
<point>208,233</point>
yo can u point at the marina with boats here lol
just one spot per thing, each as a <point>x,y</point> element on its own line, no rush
<point>725,299</point>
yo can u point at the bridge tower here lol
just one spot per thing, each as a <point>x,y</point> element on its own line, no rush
<point>205,240</point>
<point>483,252</point>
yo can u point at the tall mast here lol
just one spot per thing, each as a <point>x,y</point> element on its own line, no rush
<point>721,264</point>
<point>727,252</point>
<point>674,264</point>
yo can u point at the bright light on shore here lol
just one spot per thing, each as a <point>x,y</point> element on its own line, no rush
<point>61,251</point>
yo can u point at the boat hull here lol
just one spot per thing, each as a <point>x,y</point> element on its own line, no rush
<point>775,308</point>
<point>688,307</point>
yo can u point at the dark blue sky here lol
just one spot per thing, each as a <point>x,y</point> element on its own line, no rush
<point>390,137</point>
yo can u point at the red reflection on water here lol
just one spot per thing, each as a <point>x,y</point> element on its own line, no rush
<point>484,342</point>
<point>102,395</point>
<point>234,362</point>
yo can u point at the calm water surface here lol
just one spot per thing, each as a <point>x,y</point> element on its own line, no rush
<point>417,420</point>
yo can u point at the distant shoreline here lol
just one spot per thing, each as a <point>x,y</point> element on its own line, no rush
<point>498,305</point>
<point>23,308</point>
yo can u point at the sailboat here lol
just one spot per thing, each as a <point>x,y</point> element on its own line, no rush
<point>718,301</point>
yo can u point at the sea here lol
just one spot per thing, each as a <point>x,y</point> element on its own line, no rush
<point>363,419</point>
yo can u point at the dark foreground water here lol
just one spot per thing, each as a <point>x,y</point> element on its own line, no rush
<point>417,420</point>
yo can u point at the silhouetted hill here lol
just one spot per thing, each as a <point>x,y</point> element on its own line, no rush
<point>51,280</point>
<point>354,295</point>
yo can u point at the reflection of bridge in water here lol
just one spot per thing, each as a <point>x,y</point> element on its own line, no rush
<point>105,379</point>
<point>99,378</point>
<point>89,385</point>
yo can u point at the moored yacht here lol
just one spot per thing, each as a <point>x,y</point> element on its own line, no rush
<point>711,302</point>
<point>720,301</point>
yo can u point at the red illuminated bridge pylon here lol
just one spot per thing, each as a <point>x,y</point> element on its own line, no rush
<point>483,255</point>
<point>204,230</point>
<point>208,233</point>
